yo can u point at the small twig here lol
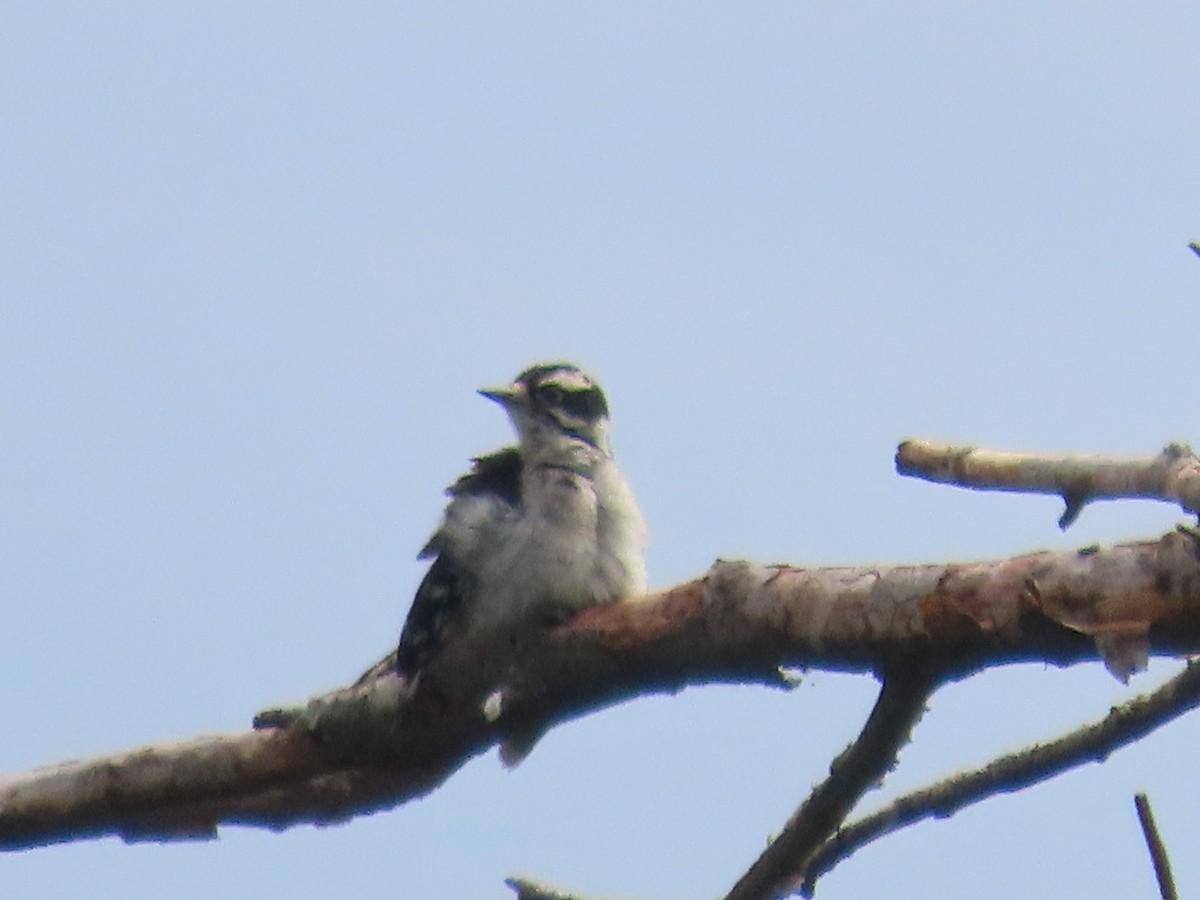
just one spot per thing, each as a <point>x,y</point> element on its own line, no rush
<point>1173,475</point>
<point>860,767</point>
<point>528,889</point>
<point>1123,725</point>
<point>1158,851</point>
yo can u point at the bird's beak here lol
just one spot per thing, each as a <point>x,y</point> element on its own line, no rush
<point>505,396</point>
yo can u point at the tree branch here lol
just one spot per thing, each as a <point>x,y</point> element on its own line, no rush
<point>857,769</point>
<point>380,744</point>
<point>1158,850</point>
<point>1092,743</point>
<point>1173,475</point>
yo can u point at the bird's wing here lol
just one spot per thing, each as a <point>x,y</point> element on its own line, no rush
<point>488,493</point>
<point>491,489</point>
<point>497,473</point>
<point>434,608</point>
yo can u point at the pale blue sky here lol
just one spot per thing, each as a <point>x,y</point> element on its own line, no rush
<point>255,260</point>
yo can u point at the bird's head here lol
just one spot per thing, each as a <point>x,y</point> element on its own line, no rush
<point>554,405</point>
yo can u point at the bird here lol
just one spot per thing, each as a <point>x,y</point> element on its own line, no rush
<point>532,533</point>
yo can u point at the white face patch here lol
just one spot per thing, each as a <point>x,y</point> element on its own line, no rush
<point>569,381</point>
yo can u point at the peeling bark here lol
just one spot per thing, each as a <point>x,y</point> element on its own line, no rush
<point>381,743</point>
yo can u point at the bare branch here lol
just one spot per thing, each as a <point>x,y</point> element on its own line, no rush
<point>1173,475</point>
<point>1158,850</point>
<point>860,767</point>
<point>379,743</point>
<point>1092,743</point>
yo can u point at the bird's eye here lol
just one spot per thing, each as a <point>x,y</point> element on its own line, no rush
<point>551,394</point>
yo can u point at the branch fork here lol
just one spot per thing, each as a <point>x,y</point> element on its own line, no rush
<point>383,741</point>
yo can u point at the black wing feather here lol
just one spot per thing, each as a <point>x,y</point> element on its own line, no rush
<point>434,608</point>
<point>497,473</point>
<point>439,599</point>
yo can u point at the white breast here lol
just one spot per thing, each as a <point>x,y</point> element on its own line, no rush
<point>578,544</point>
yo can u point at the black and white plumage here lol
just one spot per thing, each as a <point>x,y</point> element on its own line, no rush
<point>534,532</point>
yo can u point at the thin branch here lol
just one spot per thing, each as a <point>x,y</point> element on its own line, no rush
<point>1173,475</point>
<point>1092,743</point>
<point>857,769</point>
<point>1158,850</point>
